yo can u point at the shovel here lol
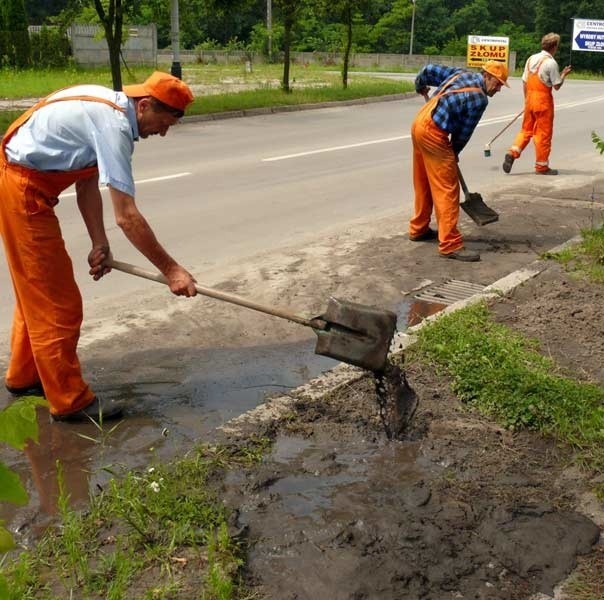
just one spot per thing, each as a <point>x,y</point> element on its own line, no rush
<point>474,205</point>
<point>353,333</point>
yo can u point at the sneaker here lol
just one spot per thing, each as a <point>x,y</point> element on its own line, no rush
<point>508,161</point>
<point>548,172</point>
<point>464,255</point>
<point>97,410</point>
<point>30,390</point>
<point>428,235</point>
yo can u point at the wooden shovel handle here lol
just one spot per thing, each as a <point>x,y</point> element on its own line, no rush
<point>218,295</point>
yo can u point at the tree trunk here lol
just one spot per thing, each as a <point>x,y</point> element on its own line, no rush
<point>288,25</point>
<point>348,46</point>
<point>112,24</point>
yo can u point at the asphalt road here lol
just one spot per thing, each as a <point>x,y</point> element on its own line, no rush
<point>222,191</point>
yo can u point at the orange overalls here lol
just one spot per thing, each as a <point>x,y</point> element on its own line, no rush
<point>435,176</point>
<point>48,304</point>
<point>538,120</point>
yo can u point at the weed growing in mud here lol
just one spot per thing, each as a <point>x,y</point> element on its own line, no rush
<point>586,258</point>
<point>502,374</point>
<point>161,533</point>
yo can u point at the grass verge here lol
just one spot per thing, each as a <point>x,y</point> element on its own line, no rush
<point>157,534</point>
<point>585,259</point>
<point>218,89</point>
<point>500,373</point>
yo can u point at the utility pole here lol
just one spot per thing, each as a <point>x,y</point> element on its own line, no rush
<point>176,69</point>
<point>412,28</point>
<point>269,28</point>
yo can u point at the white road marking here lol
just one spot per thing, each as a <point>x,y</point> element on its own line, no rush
<point>150,180</point>
<point>398,138</point>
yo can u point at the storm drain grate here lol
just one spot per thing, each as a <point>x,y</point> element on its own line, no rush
<point>449,292</point>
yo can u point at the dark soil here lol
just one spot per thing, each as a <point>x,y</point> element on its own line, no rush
<point>461,509</point>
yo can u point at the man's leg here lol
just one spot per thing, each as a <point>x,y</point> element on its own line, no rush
<point>440,167</point>
<point>544,129</point>
<point>47,295</point>
<point>419,224</point>
<point>523,137</point>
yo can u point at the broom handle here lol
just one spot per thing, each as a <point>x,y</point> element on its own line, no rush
<point>212,293</point>
<point>508,125</point>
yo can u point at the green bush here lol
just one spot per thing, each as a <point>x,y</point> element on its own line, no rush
<point>50,48</point>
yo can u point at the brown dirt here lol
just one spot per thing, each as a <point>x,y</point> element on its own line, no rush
<point>462,509</point>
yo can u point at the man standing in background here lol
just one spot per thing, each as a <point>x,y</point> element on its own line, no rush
<point>541,74</point>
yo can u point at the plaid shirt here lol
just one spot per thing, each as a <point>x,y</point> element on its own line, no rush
<point>457,114</point>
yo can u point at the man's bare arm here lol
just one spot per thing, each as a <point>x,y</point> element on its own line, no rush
<point>139,233</point>
<point>90,205</point>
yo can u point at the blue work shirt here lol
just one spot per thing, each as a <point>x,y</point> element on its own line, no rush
<point>459,113</point>
<point>74,134</point>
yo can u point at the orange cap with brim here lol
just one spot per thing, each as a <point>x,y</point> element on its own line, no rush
<point>497,69</point>
<point>164,87</point>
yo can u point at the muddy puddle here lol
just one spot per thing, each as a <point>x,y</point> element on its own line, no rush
<point>339,511</point>
<point>181,399</point>
<point>166,415</point>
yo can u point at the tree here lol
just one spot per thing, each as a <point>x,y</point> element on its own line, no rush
<point>112,20</point>
<point>289,10</point>
<point>16,40</point>
<point>346,12</point>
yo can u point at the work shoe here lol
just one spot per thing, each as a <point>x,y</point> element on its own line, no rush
<point>548,172</point>
<point>31,390</point>
<point>464,255</point>
<point>508,161</point>
<point>428,235</point>
<point>97,410</point>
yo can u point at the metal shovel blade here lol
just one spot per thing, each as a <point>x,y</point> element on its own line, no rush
<point>357,334</point>
<point>477,210</point>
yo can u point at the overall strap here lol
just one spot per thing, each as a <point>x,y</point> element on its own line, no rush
<point>14,126</point>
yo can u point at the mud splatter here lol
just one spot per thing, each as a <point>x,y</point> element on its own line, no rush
<point>396,399</point>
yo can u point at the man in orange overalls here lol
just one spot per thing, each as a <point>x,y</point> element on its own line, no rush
<point>439,133</point>
<point>540,75</point>
<point>83,135</point>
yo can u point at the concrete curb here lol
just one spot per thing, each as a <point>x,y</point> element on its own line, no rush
<point>268,110</point>
<point>277,408</point>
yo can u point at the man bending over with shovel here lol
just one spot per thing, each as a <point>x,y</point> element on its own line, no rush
<point>439,133</point>
<point>83,135</point>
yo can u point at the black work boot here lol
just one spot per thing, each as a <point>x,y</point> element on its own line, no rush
<point>463,255</point>
<point>427,236</point>
<point>508,161</point>
<point>31,390</point>
<point>98,410</point>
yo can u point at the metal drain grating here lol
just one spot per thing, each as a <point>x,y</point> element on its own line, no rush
<point>449,292</point>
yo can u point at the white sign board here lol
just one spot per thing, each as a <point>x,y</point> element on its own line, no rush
<point>588,35</point>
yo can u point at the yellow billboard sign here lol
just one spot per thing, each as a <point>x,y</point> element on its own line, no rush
<point>482,49</point>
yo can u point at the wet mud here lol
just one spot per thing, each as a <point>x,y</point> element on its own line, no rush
<point>459,508</point>
<point>396,399</point>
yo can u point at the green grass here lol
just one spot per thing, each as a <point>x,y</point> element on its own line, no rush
<point>501,374</point>
<point>161,533</point>
<point>217,88</point>
<point>585,259</point>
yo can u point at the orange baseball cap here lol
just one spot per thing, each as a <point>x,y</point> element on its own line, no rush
<point>164,87</point>
<point>498,70</point>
